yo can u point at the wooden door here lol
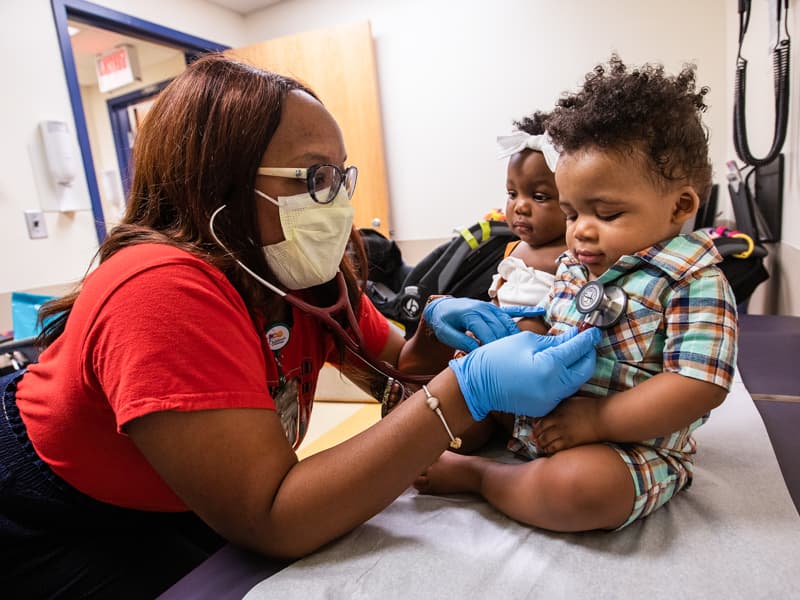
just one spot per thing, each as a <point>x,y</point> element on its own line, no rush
<point>339,65</point>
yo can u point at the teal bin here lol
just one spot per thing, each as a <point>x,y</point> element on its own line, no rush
<point>25,312</point>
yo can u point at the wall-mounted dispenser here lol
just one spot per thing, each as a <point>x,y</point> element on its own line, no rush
<point>62,169</point>
<point>59,150</point>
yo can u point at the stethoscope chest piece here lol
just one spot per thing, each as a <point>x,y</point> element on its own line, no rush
<point>602,305</point>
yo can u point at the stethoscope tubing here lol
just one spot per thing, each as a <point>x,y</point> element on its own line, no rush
<point>355,342</point>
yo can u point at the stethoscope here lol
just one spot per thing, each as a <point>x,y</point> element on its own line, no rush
<point>353,340</point>
<point>601,305</point>
<point>351,337</point>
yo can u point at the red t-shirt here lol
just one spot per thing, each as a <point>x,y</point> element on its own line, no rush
<point>155,328</point>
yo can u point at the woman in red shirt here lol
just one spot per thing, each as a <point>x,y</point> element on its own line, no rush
<point>176,382</point>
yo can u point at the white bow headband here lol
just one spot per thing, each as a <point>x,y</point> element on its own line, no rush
<point>521,140</point>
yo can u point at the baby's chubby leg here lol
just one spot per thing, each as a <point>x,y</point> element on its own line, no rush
<point>580,489</point>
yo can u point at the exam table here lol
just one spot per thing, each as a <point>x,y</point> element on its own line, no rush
<point>734,534</point>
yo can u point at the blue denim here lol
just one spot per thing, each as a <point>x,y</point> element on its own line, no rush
<point>27,484</point>
<point>56,541</point>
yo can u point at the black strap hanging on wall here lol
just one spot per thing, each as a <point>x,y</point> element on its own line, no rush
<point>780,67</point>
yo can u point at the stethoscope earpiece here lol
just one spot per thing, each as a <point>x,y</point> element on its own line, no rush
<point>603,306</point>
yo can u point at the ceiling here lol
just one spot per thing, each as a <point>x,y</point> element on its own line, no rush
<point>88,42</point>
<point>244,7</point>
<point>91,41</point>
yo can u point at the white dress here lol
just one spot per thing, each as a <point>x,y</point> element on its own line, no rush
<point>516,284</point>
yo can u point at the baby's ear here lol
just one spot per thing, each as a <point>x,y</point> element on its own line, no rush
<point>686,204</point>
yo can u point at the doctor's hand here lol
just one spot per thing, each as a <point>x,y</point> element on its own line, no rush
<point>526,373</point>
<point>450,318</point>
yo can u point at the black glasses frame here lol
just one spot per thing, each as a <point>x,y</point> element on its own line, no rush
<point>346,177</point>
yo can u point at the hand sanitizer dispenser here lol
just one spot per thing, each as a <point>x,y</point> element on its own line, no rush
<point>59,149</point>
<point>62,165</point>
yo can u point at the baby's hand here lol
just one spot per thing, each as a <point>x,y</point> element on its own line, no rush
<point>573,422</point>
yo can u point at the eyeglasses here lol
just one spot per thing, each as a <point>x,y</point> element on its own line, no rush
<point>323,181</point>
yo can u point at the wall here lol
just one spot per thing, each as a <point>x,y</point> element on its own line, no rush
<point>781,293</point>
<point>32,65</point>
<point>41,93</point>
<point>452,79</point>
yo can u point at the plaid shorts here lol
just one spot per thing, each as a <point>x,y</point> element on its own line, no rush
<point>657,474</point>
<point>657,477</point>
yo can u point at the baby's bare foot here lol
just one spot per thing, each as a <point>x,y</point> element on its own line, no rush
<point>450,474</point>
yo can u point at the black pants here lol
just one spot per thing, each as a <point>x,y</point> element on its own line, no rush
<point>56,542</point>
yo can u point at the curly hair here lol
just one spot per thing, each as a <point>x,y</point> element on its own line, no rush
<point>533,124</point>
<point>640,110</point>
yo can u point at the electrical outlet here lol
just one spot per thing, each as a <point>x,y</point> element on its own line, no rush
<point>37,226</point>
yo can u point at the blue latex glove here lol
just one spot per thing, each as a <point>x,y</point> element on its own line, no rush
<point>526,373</point>
<point>450,318</point>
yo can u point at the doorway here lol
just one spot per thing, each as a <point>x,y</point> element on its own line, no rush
<point>113,115</point>
<point>85,30</point>
<point>350,92</point>
<point>126,113</point>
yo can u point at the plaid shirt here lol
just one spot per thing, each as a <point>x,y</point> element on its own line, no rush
<point>681,318</point>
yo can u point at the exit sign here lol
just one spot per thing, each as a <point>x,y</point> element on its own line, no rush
<point>117,68</point>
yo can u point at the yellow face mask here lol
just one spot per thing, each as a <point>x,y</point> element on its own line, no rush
<point>315,239</point>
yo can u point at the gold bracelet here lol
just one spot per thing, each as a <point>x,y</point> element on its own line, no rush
<point>433,404</point>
